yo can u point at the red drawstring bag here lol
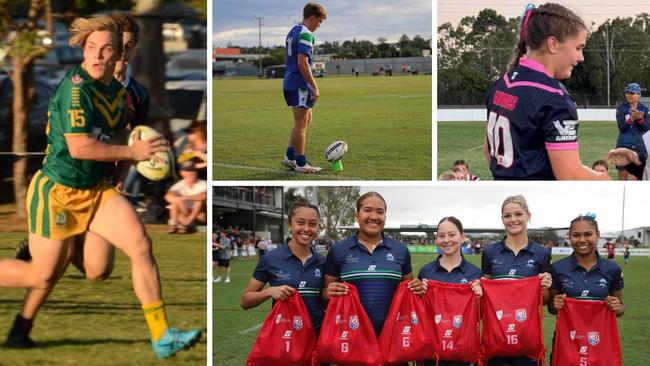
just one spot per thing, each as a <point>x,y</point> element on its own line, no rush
<point>407,334</point>
<point>287,336</point>
<point>346,336</point>
<point>454,315</point>
<point>586,333</point>
<point>512,318</point>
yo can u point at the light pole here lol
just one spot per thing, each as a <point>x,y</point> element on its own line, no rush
<point>259,21</point>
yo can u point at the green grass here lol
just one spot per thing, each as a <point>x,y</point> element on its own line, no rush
<point>464,140</point>
<point>385,121</point>
<point>234,328</point>
<point>85,323</point>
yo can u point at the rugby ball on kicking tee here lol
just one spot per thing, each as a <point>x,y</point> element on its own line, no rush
<point>336,150</point>
<point>152,169</point>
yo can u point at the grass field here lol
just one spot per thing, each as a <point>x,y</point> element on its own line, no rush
<point>85,323</point>
<point>386,122</point>
<point>235,329</point>
<point>464,140</point>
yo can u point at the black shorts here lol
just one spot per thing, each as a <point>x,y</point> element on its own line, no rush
<point>215,256</point>
<point>223,263</point>
<point>637,170</point>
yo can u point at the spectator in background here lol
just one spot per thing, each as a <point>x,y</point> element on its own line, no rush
<point>197,147</point>
<point>452,174</point>
<point>186,199</point>
<point>600,166</point>
<point>633,121</point>
<point>224,253</point>
<point>611,250</point>
<point>626,256</point>
<point>261,247</point>
<point>464,167</point>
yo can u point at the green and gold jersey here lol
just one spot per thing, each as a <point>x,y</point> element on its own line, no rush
<point>81,106</point>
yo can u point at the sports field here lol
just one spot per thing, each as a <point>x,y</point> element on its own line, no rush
<point>386,122</point>
<point>464,140</point>
<point>86,323</point>
<point>235,329</point>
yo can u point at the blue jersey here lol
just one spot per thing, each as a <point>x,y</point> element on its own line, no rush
<point>529,114</point>
<point>570,278</point>
<point>464,273</point>
<point>299,40</point>
<point>631,131</point>
<point>499,261</point>
<point>280,267</point>
<point>137,102</point>
<point>376,276</point>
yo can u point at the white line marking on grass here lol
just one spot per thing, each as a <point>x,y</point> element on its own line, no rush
<point>271,170</point>
<point>479,147</point>
<point>251,329</point>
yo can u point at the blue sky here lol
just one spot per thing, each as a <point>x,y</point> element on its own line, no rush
<point>234,20</point>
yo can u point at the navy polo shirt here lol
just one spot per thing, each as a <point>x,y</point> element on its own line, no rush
<point>499,261</point>
<point>464,273</point>
<point>570,278</point>
<point>281,267</point>
<point>376,276</point>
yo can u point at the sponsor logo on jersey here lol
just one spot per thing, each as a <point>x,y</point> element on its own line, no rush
<point>511,328</point>
<point>593,338</point>
<point>520,315</point>
<point>505,100</point>
<point>76,79</point>
<point>512,272</point>
<point>350,259</point>
<point>60,218</point>
<point>354,322</point>
<point>344,334</point>
<point>338,319</point>
<point>438,318</point>
<point>390,258</point>
<point>448,333</point>
<point>372,267</point>
<point>514,75</point>
<point>584,293</point>
<point>458,321</point>
<point>499,314</point>
<point>530,263</point>
<point>278,318</point>
<point>566,129</point>
<point>463,281</point>
<point>583,350</point>
<point>572,334</point>
<point>406,330</point>
<point>317,273</point>
<point>302,284</point>
<point>297,322</point>
<point>287,334</point>
<point>414,318</point>
<point>282,276</point>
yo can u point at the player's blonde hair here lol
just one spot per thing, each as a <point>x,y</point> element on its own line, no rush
<point>517,199</point>
<point>81,28</point>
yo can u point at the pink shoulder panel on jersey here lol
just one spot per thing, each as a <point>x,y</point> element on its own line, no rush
<point>534,65</point>
<point>556,146</point>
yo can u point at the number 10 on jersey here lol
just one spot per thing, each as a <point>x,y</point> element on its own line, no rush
<point>499,139</point>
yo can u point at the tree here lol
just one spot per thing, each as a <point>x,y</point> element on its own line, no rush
<point>24,45</point>
<point>337,207</point>
<point>290,196</point>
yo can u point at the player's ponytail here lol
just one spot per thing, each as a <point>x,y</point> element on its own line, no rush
<point>537,24</point>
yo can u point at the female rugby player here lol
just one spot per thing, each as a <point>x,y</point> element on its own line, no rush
<point>516,256</point>
<point>532,129</point>
<point>373,262</point>
<point>302,267</point>
<point>451,266</point>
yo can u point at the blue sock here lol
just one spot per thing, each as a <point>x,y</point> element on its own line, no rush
<point>301,160</point>
<point>291,153</point>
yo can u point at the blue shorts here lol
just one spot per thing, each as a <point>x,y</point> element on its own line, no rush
<point>299,98</point>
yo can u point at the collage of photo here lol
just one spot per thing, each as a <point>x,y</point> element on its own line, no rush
<point>303,183</point>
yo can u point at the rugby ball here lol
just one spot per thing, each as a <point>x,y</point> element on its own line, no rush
<point>152,169</point>
<point>336,151</point>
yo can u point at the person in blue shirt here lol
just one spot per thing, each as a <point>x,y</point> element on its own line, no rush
<point>294,267</point>
<point>585,274</point>
<point>516,256</point>
<point>300,88</point>
<point>451,266</point>
<point>371,261</point>
<point>532,120</point>
<point>633,121</point>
